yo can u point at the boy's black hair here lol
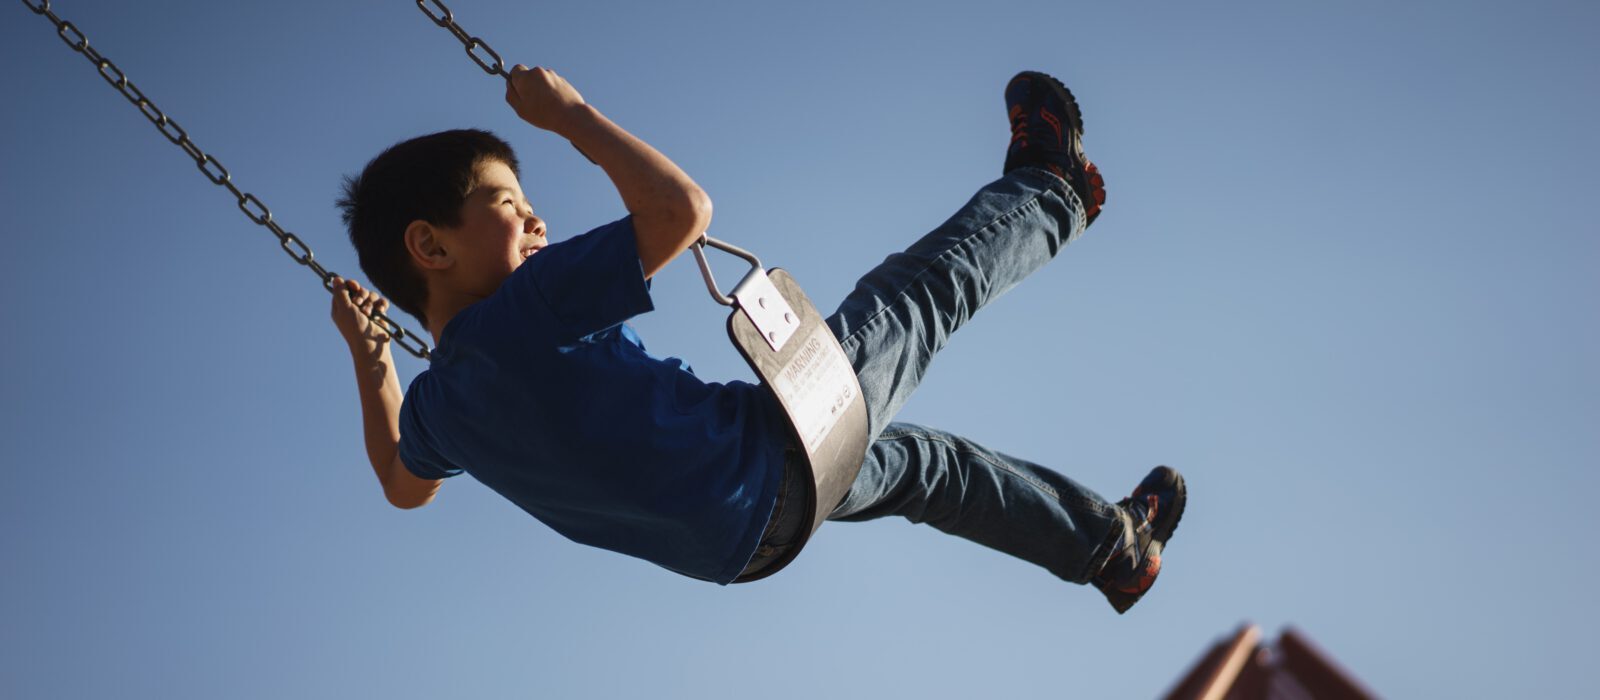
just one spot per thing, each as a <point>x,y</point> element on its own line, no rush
<point>425,178</point>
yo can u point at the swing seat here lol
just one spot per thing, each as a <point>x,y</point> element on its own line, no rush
<point>783,337</point>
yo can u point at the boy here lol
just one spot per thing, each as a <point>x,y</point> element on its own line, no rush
<point>538,388</point>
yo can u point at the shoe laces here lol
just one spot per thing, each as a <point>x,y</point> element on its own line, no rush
<point>1019,126</point>
<point>1142,510</point>
<point>1141,513</point>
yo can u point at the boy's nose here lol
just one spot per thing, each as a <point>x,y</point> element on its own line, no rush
<point>534,225</point>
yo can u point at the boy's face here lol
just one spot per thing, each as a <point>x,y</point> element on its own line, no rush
<point>498,230</point>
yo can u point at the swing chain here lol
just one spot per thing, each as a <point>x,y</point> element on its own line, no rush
<point>252,206</point>
<point>447,19</point>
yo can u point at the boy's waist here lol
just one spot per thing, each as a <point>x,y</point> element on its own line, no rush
<point>783,530</point>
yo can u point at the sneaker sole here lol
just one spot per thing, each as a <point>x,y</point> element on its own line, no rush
<point>1163,531</point>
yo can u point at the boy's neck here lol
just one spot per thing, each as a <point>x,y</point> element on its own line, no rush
<point>443,306</point>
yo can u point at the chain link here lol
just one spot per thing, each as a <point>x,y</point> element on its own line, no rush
<point>447,19</point>
<point>253,208</point>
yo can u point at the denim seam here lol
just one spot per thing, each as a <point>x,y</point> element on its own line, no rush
<point>1085,504</point>
<point>1098,557</point>
<point>973,453</point>
<point>899,294</point>
<point>1074,202</point>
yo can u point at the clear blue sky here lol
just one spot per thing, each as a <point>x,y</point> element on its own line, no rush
<point>1346,282</point>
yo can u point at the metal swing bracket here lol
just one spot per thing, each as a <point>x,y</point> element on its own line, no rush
<point>755,294</point>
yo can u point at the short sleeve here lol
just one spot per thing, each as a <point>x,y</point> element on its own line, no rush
<point>423,468</point>
<point>420,459</point>
<point>589,282</point>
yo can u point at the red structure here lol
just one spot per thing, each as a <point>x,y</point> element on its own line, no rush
<point>1241,667</point>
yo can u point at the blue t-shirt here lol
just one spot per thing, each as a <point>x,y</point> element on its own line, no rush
<point>544,395</point>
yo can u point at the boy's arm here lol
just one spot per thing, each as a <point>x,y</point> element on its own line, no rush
<point>670,212</point>
<point>379,387</point>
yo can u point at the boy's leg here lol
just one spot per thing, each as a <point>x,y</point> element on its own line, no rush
<point>1008,504</point>
<point>903,311</point>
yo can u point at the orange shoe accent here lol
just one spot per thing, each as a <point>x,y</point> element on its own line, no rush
<point>1019,127</point>
<point>1097,185</point>
<point>1052,121</point>
<point>1152,568</point>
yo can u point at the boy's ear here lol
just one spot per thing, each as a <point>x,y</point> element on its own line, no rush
<point>425,247</point>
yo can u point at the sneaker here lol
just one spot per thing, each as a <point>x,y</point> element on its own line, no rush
<point>1047,132</point>
<point>1152,513</point>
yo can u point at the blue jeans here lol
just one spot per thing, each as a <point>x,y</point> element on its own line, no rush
<point>899,315</point>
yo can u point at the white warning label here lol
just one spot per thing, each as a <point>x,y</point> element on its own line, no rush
<point>817,385</point>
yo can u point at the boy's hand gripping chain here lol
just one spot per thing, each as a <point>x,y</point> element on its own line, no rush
<point>252,206</point>
<point>490,60</point>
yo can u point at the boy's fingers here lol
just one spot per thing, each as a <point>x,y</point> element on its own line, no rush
<point>511,80</point>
